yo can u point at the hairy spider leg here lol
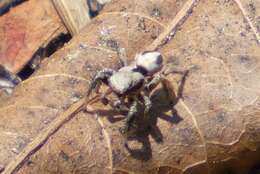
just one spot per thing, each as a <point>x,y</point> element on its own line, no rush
<point>147,104</point>
<point>119,104</point>
<point>169,89</point>
<point>167,85</point>
<point>101,77</point>
<point>131,115</point>
<point>174,70</point>
<point>122,57</point>
<point>183,79</point>
<point>97,97</point>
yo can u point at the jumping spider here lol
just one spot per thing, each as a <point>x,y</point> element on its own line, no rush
<point>134,83</point>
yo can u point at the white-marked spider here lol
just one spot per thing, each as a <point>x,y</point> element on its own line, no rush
<point>134,82</point>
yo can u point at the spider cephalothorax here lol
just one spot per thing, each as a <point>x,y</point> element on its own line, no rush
<point>133,82</point>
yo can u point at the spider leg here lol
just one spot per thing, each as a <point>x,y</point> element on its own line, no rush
<point>169,89</point>
<point>181,86</point>
<point>167,86</point>
<point>120,105</point>
<point>101,76</point>
<point>97,98</point>
<point>174,70</point>
<point>147,104</point>
<point>153,82</point>
<point>122,57</point>
<point>130,116</point>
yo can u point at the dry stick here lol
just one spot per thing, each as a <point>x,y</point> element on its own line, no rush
<point>246,16</point>
<point>170,30</point>
<point>73,13</point>
<point>64,117</point>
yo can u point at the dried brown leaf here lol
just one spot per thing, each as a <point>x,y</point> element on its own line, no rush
<point>214,129</point>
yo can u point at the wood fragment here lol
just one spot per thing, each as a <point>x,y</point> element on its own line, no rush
<point>21,38</point>
<point>169,32</point>
<point>73,13</point>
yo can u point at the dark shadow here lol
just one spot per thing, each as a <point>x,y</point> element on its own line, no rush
<point>43,53</point>
<point>6,5</point>
<point>163,104</point>
<point>113,116</point>
<point>145,152</point>
<point>142,129</point>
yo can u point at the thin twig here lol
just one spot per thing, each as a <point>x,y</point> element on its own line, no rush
<point>175,23</point>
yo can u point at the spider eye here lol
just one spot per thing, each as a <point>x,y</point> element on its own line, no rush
<point>150,61</point>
